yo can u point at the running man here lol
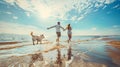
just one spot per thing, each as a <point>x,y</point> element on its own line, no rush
<point>58,32</point>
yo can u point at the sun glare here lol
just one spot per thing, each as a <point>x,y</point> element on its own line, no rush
<point>45,13</point>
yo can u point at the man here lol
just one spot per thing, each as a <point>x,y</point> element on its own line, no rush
<point>58,32</point>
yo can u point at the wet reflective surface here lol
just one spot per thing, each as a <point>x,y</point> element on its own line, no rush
<point>89,49</point>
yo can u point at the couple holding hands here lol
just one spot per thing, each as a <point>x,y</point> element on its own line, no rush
<point>58,32</point>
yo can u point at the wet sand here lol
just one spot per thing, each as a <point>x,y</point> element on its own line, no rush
<point>5,43</point>
<point>115,43</point>
<point>12,45</point>
<point>7,48</point>
<point>115,56</point>
<point>9,43</point>
<point>114,53</point>
<point>37,60</point>
<point>106,39</point>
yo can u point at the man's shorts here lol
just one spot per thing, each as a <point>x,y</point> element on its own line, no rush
<point>58,34</point>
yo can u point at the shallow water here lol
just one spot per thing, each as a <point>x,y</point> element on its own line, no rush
<point>91,51</point>
<point>97,51</point>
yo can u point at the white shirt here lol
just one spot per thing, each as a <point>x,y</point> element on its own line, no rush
<point>57,28</point>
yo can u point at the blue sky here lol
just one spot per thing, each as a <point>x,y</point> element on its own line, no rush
<point>87,17</point>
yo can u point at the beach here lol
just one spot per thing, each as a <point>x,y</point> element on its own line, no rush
<point>59,33</point>
<point>115,43</point>
<point>87,52</point>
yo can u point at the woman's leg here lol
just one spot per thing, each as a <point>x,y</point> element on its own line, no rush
<point>68,38</point>
<point>69,35</point>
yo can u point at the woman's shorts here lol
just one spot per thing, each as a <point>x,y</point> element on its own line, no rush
<point>69,33</point>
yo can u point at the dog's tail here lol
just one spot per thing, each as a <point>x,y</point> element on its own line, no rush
<point>31,33</point>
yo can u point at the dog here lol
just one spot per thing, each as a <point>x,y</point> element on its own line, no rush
<point>37,38</point>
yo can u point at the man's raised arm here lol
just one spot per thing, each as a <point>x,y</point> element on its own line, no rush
<point>51,27</point>
<point>62,28</point>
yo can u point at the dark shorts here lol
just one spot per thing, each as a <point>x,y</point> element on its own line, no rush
<point>58,34</point>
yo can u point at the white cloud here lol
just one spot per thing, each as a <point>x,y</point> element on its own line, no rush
<point>116,6</point>
<point>28,14</point>
<point>95,31</point>
<point>108,12</point>
<point>44,9</point>
<point>9,12</point>
<point>104,7</point>
<point>97,5</point>
<point>94,28</point>
<point>2,2</point>
<point>74,18</point>
<point>95,10</point>
<point>109,1</point>
<point>101,1</point>
<point>15,17</point>
<point>15,28</point>
<point>10,1</point>
<point>116,26</point>
<point>86,32</point>
<point>80,18</point>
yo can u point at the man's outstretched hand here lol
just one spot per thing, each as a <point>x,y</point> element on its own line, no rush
<point>48,28</point>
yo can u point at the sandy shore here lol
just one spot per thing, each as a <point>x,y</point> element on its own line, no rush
<point>106,39</point>
<point>11,45</point>
<point>115,44</point>
<point>37,60</point>
<point>5,43</point>
<point>6,48</point>
<point>115,54</point>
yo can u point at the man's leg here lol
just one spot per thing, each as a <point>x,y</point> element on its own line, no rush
<point>57,39</point>
<point>58,36</point>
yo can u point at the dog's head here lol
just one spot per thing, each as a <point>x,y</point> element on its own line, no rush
<point>42,36</point>
<point>31,33</point>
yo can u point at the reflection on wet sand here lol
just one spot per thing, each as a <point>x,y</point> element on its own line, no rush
<point>59,60</point>
<point>115,44</point>
<point>115,53</point>
<point>35,57</point>
<point>38,60</point>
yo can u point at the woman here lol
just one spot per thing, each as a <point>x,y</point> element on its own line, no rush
<point>69,32</point>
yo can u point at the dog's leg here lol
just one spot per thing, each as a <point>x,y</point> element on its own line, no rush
<point>37,41</point>
<point>33,42</point>
<point>40,42</point>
